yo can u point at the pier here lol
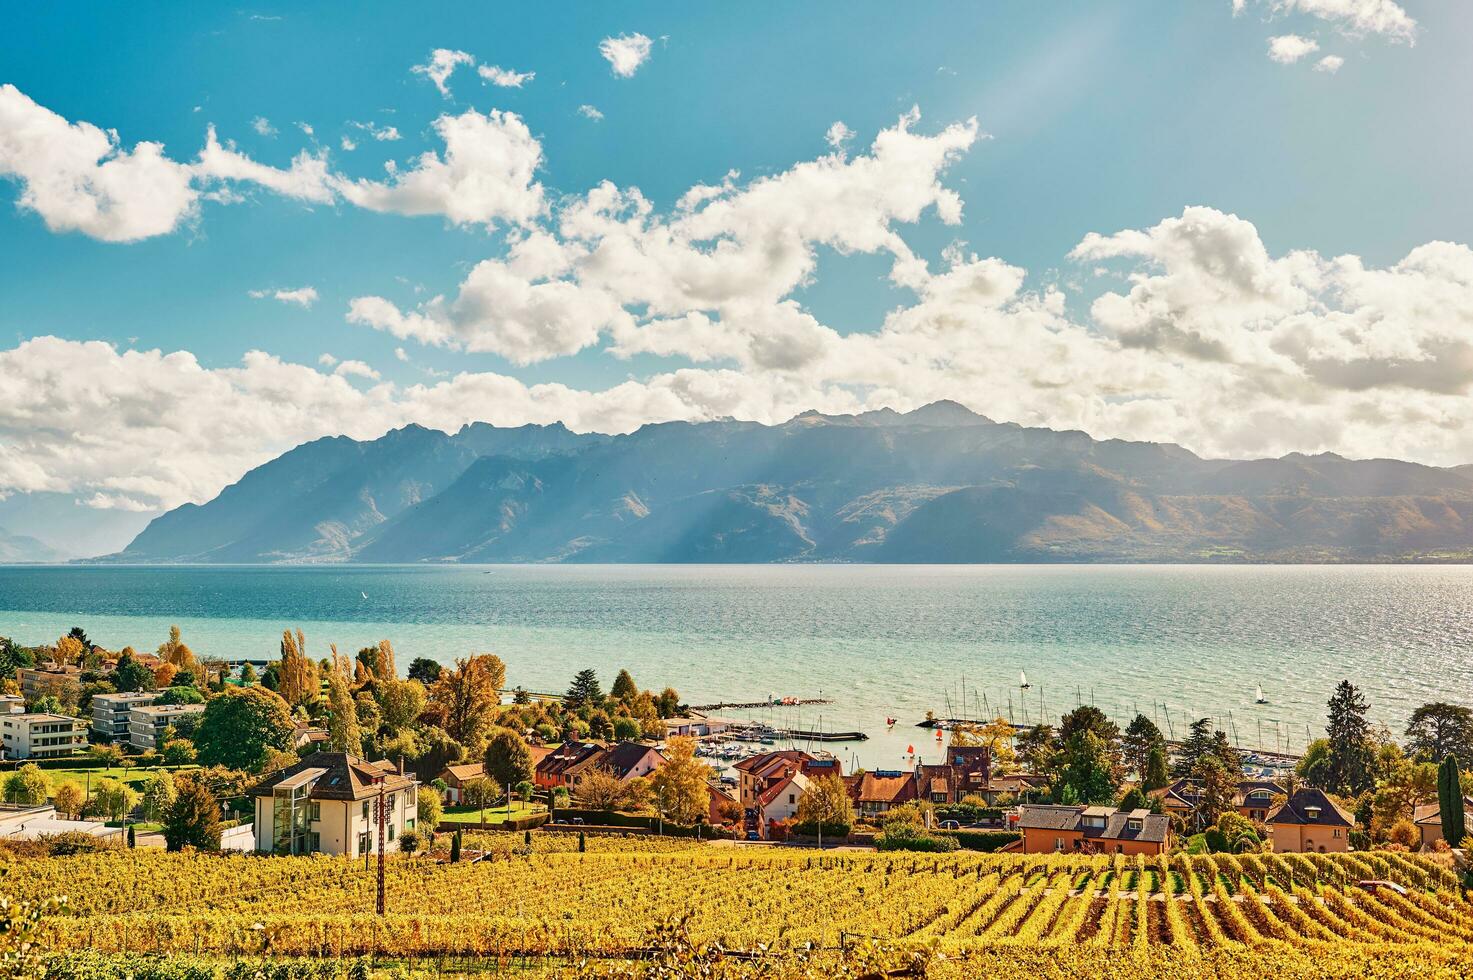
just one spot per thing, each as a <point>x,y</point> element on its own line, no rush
<point>781,703</point>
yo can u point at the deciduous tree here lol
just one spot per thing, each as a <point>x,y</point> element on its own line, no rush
<point>682,785</point>
<point>241,726</point>
<point>296,674</point>
<point>193,819</point>
<point>508,759</point>
<point>1438,730</point>
<point>27,786</point>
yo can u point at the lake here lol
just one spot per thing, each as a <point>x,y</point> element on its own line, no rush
<point>1176,642</point>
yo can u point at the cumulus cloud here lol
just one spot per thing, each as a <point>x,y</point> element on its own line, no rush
<point>263,127</point>
<point>731,253</point>
<point>625,53</point>
<point>505,77</point>
<point>590,112</point>
<point>78,177</point>
<point>838,135</point>
<point>1329,64</point>
<point>1289,48</point>
<point>486,175</point>
<point>303,297</point>
<point>441,65</point>
<point>357,369</point>
<point>306,179</point>
<point>1381,17</point>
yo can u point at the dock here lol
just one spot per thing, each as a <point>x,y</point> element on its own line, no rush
<point>799,735</point>
<point>783,703</point>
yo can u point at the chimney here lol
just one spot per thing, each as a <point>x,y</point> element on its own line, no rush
<point>401,763</point>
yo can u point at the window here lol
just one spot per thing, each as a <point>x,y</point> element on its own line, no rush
<point>365,809</point>
<point>316,812</point>
<point>1119,848</point>
<point>314,842</point>
<point>363,844</point>
<point>409,824</point>
<point>1132,825</point>
<point>1337,833</point>
<point>391,831</point>
<point>1058,843</point>
<point>792,798</point>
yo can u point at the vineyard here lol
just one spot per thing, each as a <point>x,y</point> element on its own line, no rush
<point>1304,909</point>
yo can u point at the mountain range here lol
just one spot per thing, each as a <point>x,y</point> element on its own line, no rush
<point>16,548</point>
<point>938,484</point>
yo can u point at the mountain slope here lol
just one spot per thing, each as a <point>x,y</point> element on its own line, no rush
<point>940,484</point>
<point>16,548</point>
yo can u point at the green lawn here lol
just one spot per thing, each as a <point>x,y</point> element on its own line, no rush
<point>470,816</point>
<point>135,776</point>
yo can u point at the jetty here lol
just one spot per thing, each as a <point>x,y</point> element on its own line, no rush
<point>777,703</point>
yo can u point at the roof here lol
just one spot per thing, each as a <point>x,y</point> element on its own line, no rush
<point>163,710</point>
<point>888,788</point>
<point>781,786</point>
<point>1141,825</point>
<point>35,717</point>
<point>767,763</point>
<point>621,759</point>
<point>1432,812</point>
<point>1184,793</point>
<point>567,757</point>
<point>341,777</point>
<point>1296,810</point>
<point>465,772</point>
<point>125,697</point>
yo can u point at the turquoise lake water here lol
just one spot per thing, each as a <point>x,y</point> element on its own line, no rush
<point>1176,642</point>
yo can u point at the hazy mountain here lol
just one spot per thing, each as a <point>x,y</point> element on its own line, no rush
<point>940,484</point>
<point>23,548</point>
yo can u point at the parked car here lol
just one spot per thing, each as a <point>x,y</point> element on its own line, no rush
<point>753,835</point>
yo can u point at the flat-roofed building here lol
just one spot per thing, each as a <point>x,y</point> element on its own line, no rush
<point>36,682</point>
<point>147,723</point>
<point>38,735</point>
<point>110,713</point>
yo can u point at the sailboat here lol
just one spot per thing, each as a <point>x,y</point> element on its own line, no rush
<point>1258,696</point>
<point>1023,676</point>
<point>363,594</point>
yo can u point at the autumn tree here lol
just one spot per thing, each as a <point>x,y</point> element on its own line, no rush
<point>343,731</point>
<point>997,735</point>
<point>69,799</point>
<point>27,786</point>
<point>68,650</point>
<point>400,703</point>
<point>624,688</point>
<point>175,652</point>
<point>826,804</point>
<point>681,785</point>
<point>508,759</point>
<point>1217,790</point>
<point>600,790</point>
<point>193,819</point>
<point>158,795</point>
<point>296,674</point>
<point>113,798</point>
<point>467,698</point>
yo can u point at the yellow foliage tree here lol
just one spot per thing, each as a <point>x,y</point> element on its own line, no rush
<point>296,675</point>
<point>176,652</point>
<point>682,785</point>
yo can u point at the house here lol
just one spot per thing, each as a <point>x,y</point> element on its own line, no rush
<point>1428,820</point>
<point>110,713</point>
<point>1310,822</point>
<point>148,723</point>
<point>327,803</point>
<point>58,681</point>
<point>760,772</point>
<point>694,727</point>
<point>1253,798</point>
<point>724,808</point>
<point>38,735</point>
<point>874,793</point>
<point>779,801</point>
<point>965,771</point>
<point>570,762</point>
<point>558,767</point>
<point>304,735</point>
<point>1094,829</point>
<point>455,779</point>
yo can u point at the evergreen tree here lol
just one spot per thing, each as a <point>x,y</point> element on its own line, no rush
<point>1197,744</point>
<point>1350,765</point>
<point>1156,776</point>
<point>248,675</point>
<point>1216,792</point>
<point>1140,738</point>
<point>585,690</point>
<point>624,688</point>
<point>1450,801</point>
<point>455,847</point>
<point>424,670</point>
<point>132,675</point>
<point>1223,751</point>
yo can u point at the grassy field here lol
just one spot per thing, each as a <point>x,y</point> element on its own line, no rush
<point>1251,915</point>
<point>134,776</point>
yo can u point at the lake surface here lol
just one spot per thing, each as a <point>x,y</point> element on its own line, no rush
<point>1176,642</point>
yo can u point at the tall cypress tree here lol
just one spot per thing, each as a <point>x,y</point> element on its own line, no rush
<point>1450,802</point>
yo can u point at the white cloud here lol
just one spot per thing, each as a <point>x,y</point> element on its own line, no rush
<point>487,174</point>
<point>384,134</point>
<point>1329,64</point>
<point>348,145</point>
<point>1289,48</point>
<point>505,77</point>
<point>441,65</point>
<point>303,297</point>
<point>327,360</point>
<point>1358,17</point>
<point>306,180</point>
<point>263,126</point>
<point>838,135</point>
<point>401,355</point>
<point>356,369</point>
<point>78,177</point>
<point>590,112</point>
<point>306,129</point>
<point>625,53</point>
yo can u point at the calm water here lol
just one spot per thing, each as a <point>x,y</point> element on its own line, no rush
<point>1175,642</point>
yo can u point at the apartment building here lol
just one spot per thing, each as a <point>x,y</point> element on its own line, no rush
<point>36,735</point>
<point>147,723</point>
<point>39,681</point>
<point>110,713</point>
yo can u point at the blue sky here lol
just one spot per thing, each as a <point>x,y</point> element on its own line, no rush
<point>1090,118</point>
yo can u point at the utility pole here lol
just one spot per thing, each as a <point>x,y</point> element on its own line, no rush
<point>382,807</point>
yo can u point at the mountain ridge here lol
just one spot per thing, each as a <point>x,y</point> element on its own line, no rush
<point>938,484</point>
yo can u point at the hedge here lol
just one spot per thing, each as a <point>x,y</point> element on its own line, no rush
<point>983,840</point>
